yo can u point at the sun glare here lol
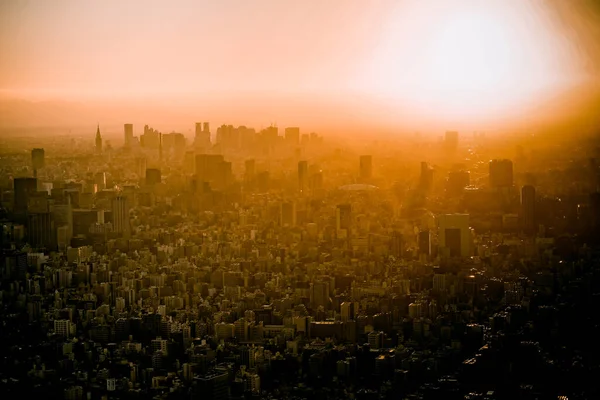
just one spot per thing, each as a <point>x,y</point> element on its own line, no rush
<point>486,59</point>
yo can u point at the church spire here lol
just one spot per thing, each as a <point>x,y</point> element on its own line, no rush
<point>98,139</point>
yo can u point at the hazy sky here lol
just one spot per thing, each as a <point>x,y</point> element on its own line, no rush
<point>460,57</point>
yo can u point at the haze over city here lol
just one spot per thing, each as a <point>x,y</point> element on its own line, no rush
<point>332,65</point>
<point>300,200</point>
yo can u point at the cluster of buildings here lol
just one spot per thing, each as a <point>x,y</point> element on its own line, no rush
<point>251,265</point>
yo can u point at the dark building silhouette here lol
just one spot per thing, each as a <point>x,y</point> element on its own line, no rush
<point>366,167</point>
<point>302,175</point>
<point>457,181</point>
<point>23,188</point>
<point>127,135</point>
<point>292,135</point>
<point>501,173</point>
<point>528,209</point>
<point>153,176</point>
<point>98,140</point>
<point>38,160</point>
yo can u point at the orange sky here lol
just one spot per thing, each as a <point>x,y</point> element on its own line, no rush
<point>448,59</point>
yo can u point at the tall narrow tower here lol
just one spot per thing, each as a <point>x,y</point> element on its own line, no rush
<point>98,140</point>
<point>160,148</point>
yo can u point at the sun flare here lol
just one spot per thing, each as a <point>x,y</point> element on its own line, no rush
<point>482,60</point>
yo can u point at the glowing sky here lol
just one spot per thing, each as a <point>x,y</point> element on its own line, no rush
<point>457,57</point>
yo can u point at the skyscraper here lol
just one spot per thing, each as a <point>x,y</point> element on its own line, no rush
<point>455,234</point>
<point>127,135</point>
<point>343,217</point>
<point>366,166</point>
<point>23,188</point>
<point>501,173</point>
<point>98,140</point>
<point>292,135</point>
<point>38,159</point>
<point>528,209</point>
<point>302,175</point>
<point>202,135</point>
<point>120,214</point>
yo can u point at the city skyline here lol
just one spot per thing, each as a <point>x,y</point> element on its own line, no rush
<point>477,65</point>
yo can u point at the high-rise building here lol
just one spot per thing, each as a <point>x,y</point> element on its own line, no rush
<point>455,235</point>
<point>457,181</point>
<point>41,230</point>
<point>127,135</point>
<point>424,242</point>
<point>100,180</point>
<point>396,244</point>
<point>528,208</point>
<point>287,214</point>
<point>38,159</point>
<point>292,135</point>
<point>344,217</point>
<point>249,170</point>
<point>302,175</point>
<point>23,188</point>
<point>366,166</point>
<point>501,173</point>
<point>202,136</point>
<point>120,215</point>
<point>153,176</point>
<point>140,166</point>
<point>98,140</point>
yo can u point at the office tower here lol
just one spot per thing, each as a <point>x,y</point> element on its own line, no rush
<point>120,214</point>
<point>98,140</point>
<point>207,167</point>
<point>501,173</point>
<point>528,209</point>
<point>457,181</point>
<point>189,162</point>
<point>455,235</point>
<point>343,216</point>
<point>319,294</point>
<point>315,181</point>
<point>140,166</point>
<point>287,215</point>
<point>100,180</point>
<point>37,159</point>
<point>302,175</point>
<point>40,230</point>
<point>426,177</point>
<point>153,176</point>
<point>366,167</point>
<point>63,217</point>
<point>451,141</point>
<point>202,136</point>
<point>127,135</point>
<point>160,148</point>
<point>223,175</point>
<point>249,170</point>
<point>263,181</point>
<point>292,135</point>
<point>23,188</point>
<point>424,242</point>
<point>396,245</point>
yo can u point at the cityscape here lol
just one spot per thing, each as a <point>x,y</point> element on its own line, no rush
<point>161,257</point>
